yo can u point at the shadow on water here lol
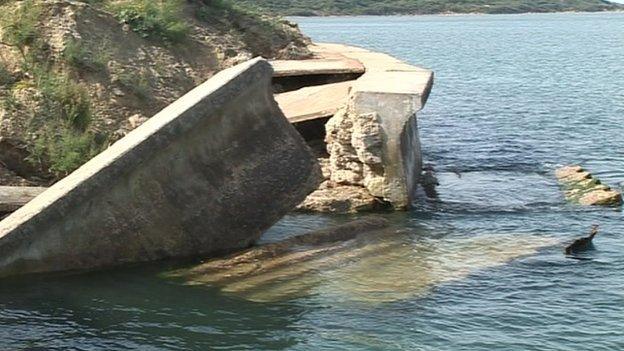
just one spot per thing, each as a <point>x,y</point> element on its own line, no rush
<point>133,309</point>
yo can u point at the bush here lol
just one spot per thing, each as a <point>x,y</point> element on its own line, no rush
<point>65,100</point>
<point>79,56</point>
<point>212,8</point>
<point>20,27</point>
<point>156,19</point>
<point>136,83</point>
<point>6,77</point>
<point>66,151</point>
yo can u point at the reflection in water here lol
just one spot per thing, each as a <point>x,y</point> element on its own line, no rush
<point>373,268</point>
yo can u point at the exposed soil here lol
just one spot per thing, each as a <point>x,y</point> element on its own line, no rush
<point>129,78</point>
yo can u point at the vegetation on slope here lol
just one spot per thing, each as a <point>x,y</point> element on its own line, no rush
<point>391,7</point>
<point>77,76</point>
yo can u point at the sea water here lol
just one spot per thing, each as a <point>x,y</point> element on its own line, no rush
<point>479,268</point>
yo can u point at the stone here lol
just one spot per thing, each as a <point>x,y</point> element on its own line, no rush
<point>601,197</point>
<point>378,126</point>
<point>279,262</point>
<point>341,199</point>
<point>206,175</point>
<point>567,171</point>
<point>583,188</point>
<point>136,120</point>
<point>372,139</point>
<point>366,139</point>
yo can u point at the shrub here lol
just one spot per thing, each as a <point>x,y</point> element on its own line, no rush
<point>136,83</point>
<point>79,56</point>
<point>65,100</point>
<point>65,151</point>
<point>211,8</point>
<point>20,27</point>
<point>6,77</point>
<point>156,19</point>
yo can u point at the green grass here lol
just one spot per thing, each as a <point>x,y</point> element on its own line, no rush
<point>65,142</point>
<point>153,19</point>
<point>388,7</point>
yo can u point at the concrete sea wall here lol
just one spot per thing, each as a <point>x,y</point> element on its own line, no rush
<point>208,174</point>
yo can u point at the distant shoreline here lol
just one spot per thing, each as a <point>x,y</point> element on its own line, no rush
<point>454,14</point>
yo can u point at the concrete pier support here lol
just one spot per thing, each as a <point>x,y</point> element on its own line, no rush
<point>373,140</point>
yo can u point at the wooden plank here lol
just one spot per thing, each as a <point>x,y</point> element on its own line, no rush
<point>314,102</point>
<point>14,197</point>
<point>291,68</point>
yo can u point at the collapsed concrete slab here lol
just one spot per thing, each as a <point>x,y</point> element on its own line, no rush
<point>339,65</point>
<point>207,174</point>
<point>321,101</point>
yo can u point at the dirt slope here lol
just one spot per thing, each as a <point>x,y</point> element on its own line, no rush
<point>77,76</point>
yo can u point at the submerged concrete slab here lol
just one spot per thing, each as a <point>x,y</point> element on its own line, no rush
<point>324,66</point>
<point>314,102</point>
<point>207,174</point>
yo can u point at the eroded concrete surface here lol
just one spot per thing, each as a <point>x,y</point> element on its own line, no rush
<point>207,174</point>
<point>372,140</point>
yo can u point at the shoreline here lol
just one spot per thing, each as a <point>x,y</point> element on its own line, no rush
<point>457,14</point>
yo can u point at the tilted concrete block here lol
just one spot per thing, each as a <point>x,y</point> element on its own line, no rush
<point>208,174</point>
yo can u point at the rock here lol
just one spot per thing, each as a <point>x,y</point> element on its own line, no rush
<point>600,197</point>
<point>366,139</point>
<point>341,199</point>
<point>136,120</point>
<point>582,188</point>
<point>567,171</point>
